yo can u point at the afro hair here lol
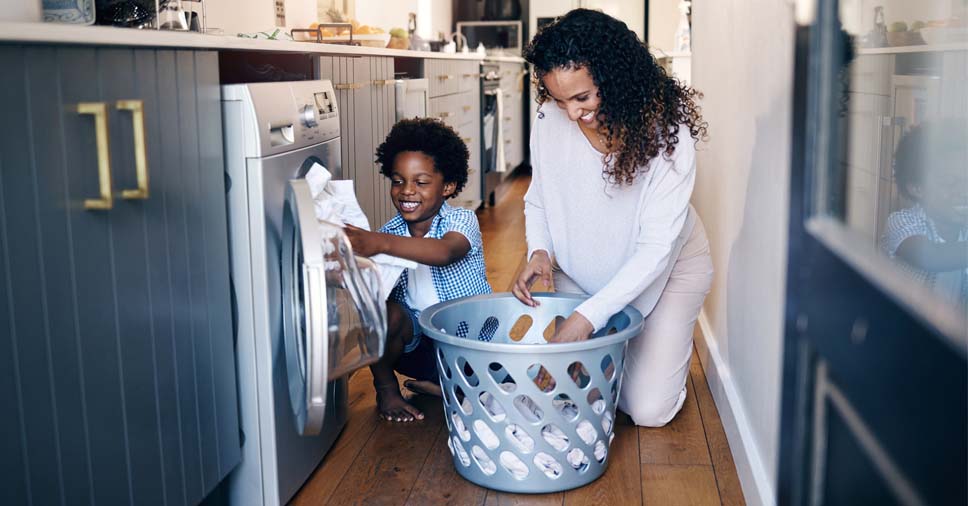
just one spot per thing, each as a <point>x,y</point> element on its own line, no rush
<point>432,138</point>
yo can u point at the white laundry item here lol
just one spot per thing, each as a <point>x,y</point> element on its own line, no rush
<point>586,431</point>
<point>486,435</point>
<point>566,407</point>
<point>528,408</point>
<point>487,465</point>
<point>459,427</point>
<point>598,406</point>
<point>577,458</point>
<point>455,445</point>
<point>607,423</point>
<point>555,437</point>
<point>519,438</point>
<point>335,201</point>
<point>600,450</point>
<point>514,465</point>
<point>493,407</point>
<point>548,465</point>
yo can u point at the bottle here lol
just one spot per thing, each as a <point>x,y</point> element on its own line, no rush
<point>682,42</point>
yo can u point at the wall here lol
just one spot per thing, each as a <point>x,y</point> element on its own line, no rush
<point>433,16</point>
<point>742,59</point>
<point>663,21</point>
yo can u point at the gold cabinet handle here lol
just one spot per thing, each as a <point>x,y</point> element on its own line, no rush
<point>100,112</point>
<point>383,82</point>
<point>467,140</point>
<point>444,77</point>
<point>445,114</point>
<point>349,86</point>
<point>507,141</point>
<point>507,118</point>
<point>474,74</point>
<point>466,108</point>
<point>137,108</point>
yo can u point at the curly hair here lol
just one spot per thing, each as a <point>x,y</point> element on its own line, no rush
<point>642,107</point>
<point>432,138</point>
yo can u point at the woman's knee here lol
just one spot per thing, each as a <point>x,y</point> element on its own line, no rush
<point>654,412</point>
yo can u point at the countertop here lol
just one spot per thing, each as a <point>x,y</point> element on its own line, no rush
<point>56,33</point>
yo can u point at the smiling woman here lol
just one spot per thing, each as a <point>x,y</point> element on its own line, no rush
<point>613,152</point>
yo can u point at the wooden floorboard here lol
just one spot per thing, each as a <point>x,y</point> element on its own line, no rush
<point>688,462</point>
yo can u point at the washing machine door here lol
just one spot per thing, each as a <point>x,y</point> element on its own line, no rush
<point>334,321</point>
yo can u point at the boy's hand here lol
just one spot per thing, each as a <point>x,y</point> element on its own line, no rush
<point>365,243</point>
<point>538,268</point>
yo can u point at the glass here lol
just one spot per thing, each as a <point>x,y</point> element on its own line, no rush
<point>898,169</point>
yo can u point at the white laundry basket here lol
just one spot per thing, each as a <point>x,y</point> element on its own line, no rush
<point>526,415</point>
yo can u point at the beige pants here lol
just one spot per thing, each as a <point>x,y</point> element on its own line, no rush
<point>657,360</point>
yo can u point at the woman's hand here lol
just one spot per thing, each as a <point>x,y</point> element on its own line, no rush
<point>539,267</point>
<point>575,328</point>
<point>365,243</point>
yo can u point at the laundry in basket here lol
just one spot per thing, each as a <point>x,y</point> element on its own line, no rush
<point>523,414</point>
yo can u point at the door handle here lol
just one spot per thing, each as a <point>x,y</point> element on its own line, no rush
<point>100,112</point>
<point>137,108</point>
<point>350,86</point>
<point>383,82</point>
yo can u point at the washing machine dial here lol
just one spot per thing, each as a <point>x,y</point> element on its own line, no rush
<point>308,116</point>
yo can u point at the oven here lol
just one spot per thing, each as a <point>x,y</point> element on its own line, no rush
<point>492,159</point>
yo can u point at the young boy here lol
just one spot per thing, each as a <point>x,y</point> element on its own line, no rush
<point>931,236</point>
<point>426,162</point>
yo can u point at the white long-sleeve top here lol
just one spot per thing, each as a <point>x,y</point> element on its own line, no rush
<point>614,241</point>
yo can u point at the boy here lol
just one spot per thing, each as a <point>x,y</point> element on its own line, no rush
<point>426,162</point>
<point>931,236</point>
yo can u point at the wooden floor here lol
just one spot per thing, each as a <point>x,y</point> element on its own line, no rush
<point>687,462</point>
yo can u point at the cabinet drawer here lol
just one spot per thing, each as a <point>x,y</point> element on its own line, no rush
<point>443,77</point>
<point>470,77</point>
<point>446,109</point>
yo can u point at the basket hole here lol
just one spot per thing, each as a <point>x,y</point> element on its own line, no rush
<point>488,329</point>
<point>467,371</point>
<point>611,330</point>
<point>579,374</point>
<point>614,392</point>
<point>501,377</point>
<point>608,367</point>
<point>458,448</point>
<point>519,438</point>
<point>485,434</point>
<point>607,422</point>
<point>586,431</point>
<point>578,460</point>
<point>547,465</point>
<point>492,407</point>
<point>601,451</point>
<point>566,407</point>
<point>462,330</point>
<point>462,401</point>
<point>443,363</point>
<point>514,465</point>
<point>483,461</point>
<point>596,401</point>
<point>542,378</point>
<point>521,327</point>
<point>552,328</point>
<point>528,408</point>
<point>458,426</point>
<point>555,437</point>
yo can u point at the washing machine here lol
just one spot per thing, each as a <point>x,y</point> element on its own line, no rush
<point>307,311</point>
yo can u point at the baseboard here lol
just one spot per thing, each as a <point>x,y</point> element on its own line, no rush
<point>757,486</point>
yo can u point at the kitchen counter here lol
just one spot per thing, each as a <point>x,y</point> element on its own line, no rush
<point>56,33</point>
<point>923,48</point>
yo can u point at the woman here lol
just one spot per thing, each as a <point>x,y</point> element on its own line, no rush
<point>607,212</point>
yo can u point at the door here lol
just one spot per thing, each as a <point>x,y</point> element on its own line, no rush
<point>875,387</point>
<point>333,318</point>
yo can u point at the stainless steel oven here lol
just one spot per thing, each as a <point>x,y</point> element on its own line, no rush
<point>491,133</point>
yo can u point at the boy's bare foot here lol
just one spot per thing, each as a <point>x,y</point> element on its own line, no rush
<point>423,387</point>
<point>393,407</point>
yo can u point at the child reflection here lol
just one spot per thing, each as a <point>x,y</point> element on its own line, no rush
<point>931,236</point>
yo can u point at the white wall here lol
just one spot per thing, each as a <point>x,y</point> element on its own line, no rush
<point>742,59</point>
<point>433,16</point>
<point>663,21</point>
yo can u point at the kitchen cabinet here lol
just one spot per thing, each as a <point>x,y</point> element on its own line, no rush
<point>366,104</point>
<point>455,99</point>
<point>513,75</point>
<point>117,368</point>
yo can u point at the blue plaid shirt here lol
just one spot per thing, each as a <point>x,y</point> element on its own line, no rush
<point>462,278</point>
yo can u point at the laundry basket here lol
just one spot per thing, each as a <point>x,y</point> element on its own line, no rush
<point>525,415</point>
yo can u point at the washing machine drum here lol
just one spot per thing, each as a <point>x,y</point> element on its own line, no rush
<point>334,319</point>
